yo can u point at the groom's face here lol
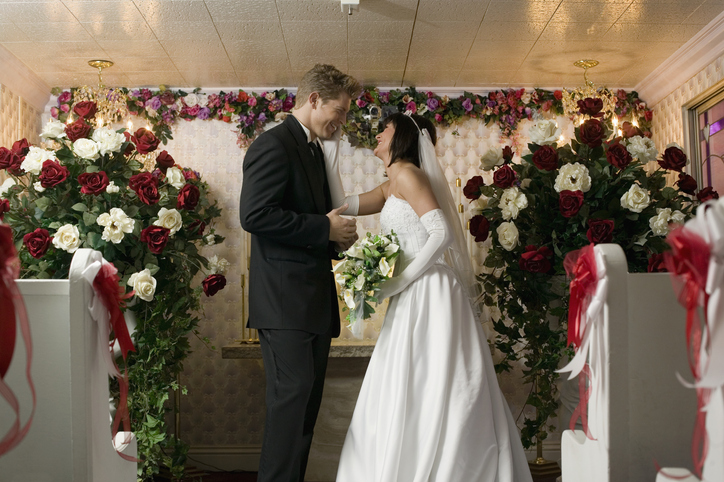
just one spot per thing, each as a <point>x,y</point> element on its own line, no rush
<point>328,116</point>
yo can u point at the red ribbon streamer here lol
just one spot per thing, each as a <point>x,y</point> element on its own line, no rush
<point>12,304</point>
<point>688,263</point>
<point>580,266</point>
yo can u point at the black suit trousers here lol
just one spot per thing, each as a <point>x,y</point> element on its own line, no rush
<point>295,363</point>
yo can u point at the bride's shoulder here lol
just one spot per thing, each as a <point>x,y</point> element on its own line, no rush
<point>413,177</point>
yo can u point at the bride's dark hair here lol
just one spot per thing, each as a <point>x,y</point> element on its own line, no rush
<point>404,142</point>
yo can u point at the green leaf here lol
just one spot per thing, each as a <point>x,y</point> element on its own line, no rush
<point>153,268</point>
<point>42,203</point>
<point>89,219</point>
<point>79,207</point>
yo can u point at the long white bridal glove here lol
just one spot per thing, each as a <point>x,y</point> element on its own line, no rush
<point>439,238</point>
<point>331,163</point>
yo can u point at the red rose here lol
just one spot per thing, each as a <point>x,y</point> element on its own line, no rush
<point>592,132</point>
<point>558,94</point>
<point>4,208</point>
<point>673,159</point>
<point>145,141</point>
<point>85,109</point>
<point>591,107</point>
<point>687,183</point>
<point>600,230</point>
<point>197,227</point>
<point>479,228</point>
<point>52,174</point>
<point>535,260</point>
<point>21,147</point>
<point>656,264</point>
<point>77,130</point>
<point>37,242</point>
<point>648,115</point>
<point>93,182</point>
<point>570,202</point>
<point>167,98</point>
<point>213,284</point>
<point>156,237</point>
<point>146,186</point>
<point>164,161</point>
<point>504,177</point>
<point>8,254</point>
<point>546,158</point>
<point>472,188</point>
<point>243,96</point>
<point>507,154</point>
<point>629,130</point>
<point>706,194</point>
<point>188,197</point>
<point>617,155</point>
<point>10,161</point>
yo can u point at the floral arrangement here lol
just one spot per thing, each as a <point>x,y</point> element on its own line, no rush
<point>162,108</point>
<point>560,198</point>
<point>85,189</point>
<point>366,265</point>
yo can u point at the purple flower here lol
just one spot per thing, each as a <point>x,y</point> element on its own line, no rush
<point>276,105</point>
<point>384,97</point>
<point>467,105</point>
<point>262,117</point>
<point>528,112</point>
<point>203,113</point>
<point>491,103</point>
<point>249,121</point>
<point>154,103</point>
<point>146,94</point>
<point>433,103</point>
<point>64,96</point>
<point>135,93</point>
<point>230,97</point>
<point>167,117</point>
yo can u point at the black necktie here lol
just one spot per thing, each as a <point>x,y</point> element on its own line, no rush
<point>321,169</point>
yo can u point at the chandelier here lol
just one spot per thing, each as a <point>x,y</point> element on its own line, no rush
<point>571,97</point>
<point>110,103</point>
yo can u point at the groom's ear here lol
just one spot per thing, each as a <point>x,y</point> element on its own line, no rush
<point>313,98</point>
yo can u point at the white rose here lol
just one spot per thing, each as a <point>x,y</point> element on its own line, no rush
<point>191,100</point>
<point>143,284</point>
<point>210,240</point>
<point>642,148</point>
<point>384,267</point>
<point>67,238</point>
<point>512,202</point>
<point>544,132</point>
<point>170,219</point>
<point>525,98</point>
<point>53,129</point>
<point>660,223</point>
<point>674,144</point>
<point>175,177</point>
<point>391,249</point>
<point>493,157</point>
<point>117,224</point>
<point>179,103</point>
<point>635,199</point>
<point>356,252</point>
<point>203,100</point>
<point>111,188</point>
<point>9,182</point>
<point>108,140</point>
<point>38,186</point>
<point>151,112</point>
<point>508,235</point>
<point>35,158</point>
<point>573,177</point>
<point>477,206</point>
<point>349,299</point>
<point>86,149</point>
<point>359,283</point>
<point>235,118</point>
<point>218,265</point>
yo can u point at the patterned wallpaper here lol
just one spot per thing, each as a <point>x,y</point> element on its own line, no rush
<point>18,119</point>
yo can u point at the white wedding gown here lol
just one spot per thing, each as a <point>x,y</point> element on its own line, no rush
<point>430,408</point>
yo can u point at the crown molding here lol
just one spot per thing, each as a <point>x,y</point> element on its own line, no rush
<point>693,57</point>
<point>22,81</point>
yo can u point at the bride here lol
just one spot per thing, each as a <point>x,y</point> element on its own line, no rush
<point>430,408</point>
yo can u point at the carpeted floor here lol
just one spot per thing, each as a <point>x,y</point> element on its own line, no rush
<point>223,477</point>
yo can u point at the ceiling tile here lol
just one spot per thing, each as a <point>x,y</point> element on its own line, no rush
<point>242,10</point>
<point>267,78</point>
<point>502,30</point>
<point>197,30</point>
<point>48,62</point>
<point>705,13</point>
<point>459,10</point>
<point>294,10</point>
<point>211,79</point>
<point>499,50</point>
<point>658,13</point>
<point>255,63</point>
<point>459,30</point>
<point>162,12</point>
<point>61,31</point>
<point>630,32</point>
<point>198,49</point>
<point>268,31</point>
<point>316,48</point>
<point>442,62</point>
<point>91,49</point>
<point>303,31</point>
<point>430,77</point>
<point>599,12</point>
<point>439,47</point>
<point>306,62</point>
<point>154,79</point>
<point>385,78</point>
<point>35,12</point>
<point>516,10</point>
<point>377,59</point>
<point>478,78</point>
<point>75,79</point>
<point>120,31</point>
<point>9,32</point>
<point>110,11</point>
<point>383,11</point>
<point>255,49</point>
<point>195,65</point>
<point>556,31</point>
<point>136,48</point>
<point>378,30</point>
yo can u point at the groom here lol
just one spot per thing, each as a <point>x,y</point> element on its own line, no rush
<point>287,208</point>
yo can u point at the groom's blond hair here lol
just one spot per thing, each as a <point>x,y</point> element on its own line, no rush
<point>328,82</point>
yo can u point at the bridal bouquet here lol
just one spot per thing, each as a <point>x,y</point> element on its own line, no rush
<point>365,266</point>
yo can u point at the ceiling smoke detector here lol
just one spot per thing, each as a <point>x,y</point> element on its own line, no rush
<point>349,5</point>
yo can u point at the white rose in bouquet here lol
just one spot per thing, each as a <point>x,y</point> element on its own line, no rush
<point>493,157</point>
<point>635,199</point>
<point>477,206</point>
<point>573,177</point>
<point>660,223</point>
<point>544,132</point>
<point>117,224</point>
<point>218,265</point>
<point>108,140</point>
<point>9,182</point>
<point>86,149</point>
<point>67,238</point>
<point>38,186</point>
<point>175,177</point>
<point>191,100</point>
<point>512,202</point>
<point>143,284</point>
<point>35,158</point>
<point>53,130</point>
<point>111,188</point>
<point>507,235</point>
<point>169,219</point>
<point>642,148</point>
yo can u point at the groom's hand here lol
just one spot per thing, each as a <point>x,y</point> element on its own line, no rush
<point>342,230</point>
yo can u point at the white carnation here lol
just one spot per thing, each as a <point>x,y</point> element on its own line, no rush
<point>111,188</point>
<point>38,186</point>
<point>544,132</point>
<point>507,235</point>
<point>573,177</point>
<point>210,240</point>
<point>175,177</point>
<point>660,223</point>
<point>169,219</point>
<point>218,265</point>
<point>143,284</point>
<point>635,199</point>
<point>108,140</point>
<point>67,238</point>
<point>191,100</point>
<point>512,202</point>
<point>117,225</point>
<point>493,157</point>
<point>35,158</point>
<point>642,148</point>
<point>9,182</point>
<point>53,129</point>
<point>477,206</point>
<point>86,149</point>
<point>203,100</point>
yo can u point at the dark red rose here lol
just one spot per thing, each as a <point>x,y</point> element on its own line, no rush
<point>504,176</point>
<point>673,159</point>
<point>707,193</point>
<point>146,186</point>
<point>21,147</point>
<point>85,109</point>
<point>590,107</point>
<point>657,264</point>
<point>629,130</point>
<point>648,115</point>
<point>618,156</point>
<point>546,158</point>
<point>507,154</point>
<point>37,242</point>
<point>93,182</point>
<point>687,183</point>
<point>164,161</point>
<point>592,132</point>
<point>472,188</point>
<point>536,260</point>
<point>156,237</point>
<point>188,197</point>
<point>197,227</point>
<point>77,130</point>
<point>479,228</point>
<point>139,179</point>
<point>4,208</point>
<point>600,230</point>
<point>570,202</point>
<point>145,141</point>
<point>167,98</point>
<point>10,161</point>
<point>52,174</point>
<point>7,247</point>
<point>130,147</point>
<point>213,284</point>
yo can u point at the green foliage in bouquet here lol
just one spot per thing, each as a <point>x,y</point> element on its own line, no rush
<point>87,190</point>
<point>596,189</point>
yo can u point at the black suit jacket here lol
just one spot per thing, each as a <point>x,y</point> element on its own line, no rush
<point>284,202</point>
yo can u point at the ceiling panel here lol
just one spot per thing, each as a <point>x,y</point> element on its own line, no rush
<point>109,11</point>
<point>468,10</point>
<point>241,10</point>
<point>115,31</point>
<point>520,10</point>
<point>375,31</point>
<point>501,30</point>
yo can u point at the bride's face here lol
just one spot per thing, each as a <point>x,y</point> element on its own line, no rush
<point>384,139</point>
